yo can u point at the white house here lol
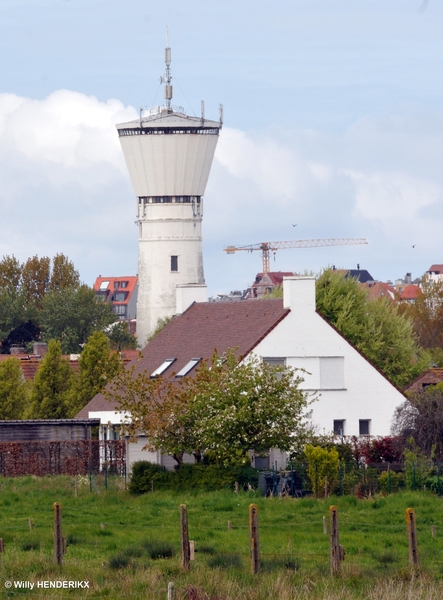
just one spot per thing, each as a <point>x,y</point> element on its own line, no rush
<point>354,398</point>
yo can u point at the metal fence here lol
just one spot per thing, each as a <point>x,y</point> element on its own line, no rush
<point>62,457</point>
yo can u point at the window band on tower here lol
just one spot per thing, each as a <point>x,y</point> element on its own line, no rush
<point>169,199</point>
<point>168,131</point>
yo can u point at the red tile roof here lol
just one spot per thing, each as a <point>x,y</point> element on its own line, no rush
<point>436,269</point>
<point>201,329</point>
<point>28,364</point>
<point>410,292</point>
<point>378,290</point>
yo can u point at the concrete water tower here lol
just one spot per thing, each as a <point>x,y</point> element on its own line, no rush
<point>169,157</point>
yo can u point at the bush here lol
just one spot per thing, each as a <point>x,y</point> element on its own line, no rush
<point>189,477</point>
<point>390,481</point>
<point>323,464</point>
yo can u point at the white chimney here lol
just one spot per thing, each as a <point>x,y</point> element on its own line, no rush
<point>299,294</point>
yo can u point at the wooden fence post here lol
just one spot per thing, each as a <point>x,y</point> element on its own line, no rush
<point>325,526</point>
<point>254,544</point>
<point>412,536</point>
<point>31,525</point>
<point>171,591</point>
<point>184,536</point>
<point>2,549</point>
<point>433,531</point>
<point>58,538</point>
<point>229,525</point>
<point>336,551</point>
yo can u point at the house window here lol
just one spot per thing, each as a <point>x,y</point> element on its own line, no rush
<point>364,427</point>
<point>120,296</point>
<point>174,263</point>
<point>275,362</point>
<point>116,284</point>
<point>124,284</point>
<point>332,376</point>
<point>339,427</point>
<point>188,367</point>
<point>162,368</point>
<point>104,285</point>
<point>120,309</point>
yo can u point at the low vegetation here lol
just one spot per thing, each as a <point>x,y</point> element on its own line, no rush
<point>128,546</point>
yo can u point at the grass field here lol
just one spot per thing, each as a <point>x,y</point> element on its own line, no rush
<point>122,544</point>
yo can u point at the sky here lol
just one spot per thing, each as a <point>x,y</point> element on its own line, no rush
<point>333,122</point>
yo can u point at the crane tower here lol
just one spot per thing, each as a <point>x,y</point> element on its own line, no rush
<point>169,156</point>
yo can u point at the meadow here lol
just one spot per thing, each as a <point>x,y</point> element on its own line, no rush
<point>128,546</point>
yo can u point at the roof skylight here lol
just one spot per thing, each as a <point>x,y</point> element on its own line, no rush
<point>162,368</point>
<point>188,367</point>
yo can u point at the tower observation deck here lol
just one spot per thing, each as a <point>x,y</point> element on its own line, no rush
<point>169,157</point>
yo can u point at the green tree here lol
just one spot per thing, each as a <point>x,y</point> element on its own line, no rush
<point>13,390</point>
<point>10,273</point>
<point>52,386</point>
<point>71,315</point>
<point>376,328</point>
<point>97,366</point>
<point>63,274</point>
<point>120,337</point>
<point>23,287</point>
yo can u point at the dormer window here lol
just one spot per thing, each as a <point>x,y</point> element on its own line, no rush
<point>188,367</point>
<point>162,368</point>
<point>104,285</point>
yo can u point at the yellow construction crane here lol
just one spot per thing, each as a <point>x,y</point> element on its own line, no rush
<point>267,247</point>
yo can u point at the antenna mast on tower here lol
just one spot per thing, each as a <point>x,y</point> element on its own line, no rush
<point>166,79</point>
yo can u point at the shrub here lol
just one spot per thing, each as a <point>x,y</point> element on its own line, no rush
<point>190,477</point>
<point>323,466</point>
<point>390,481</point>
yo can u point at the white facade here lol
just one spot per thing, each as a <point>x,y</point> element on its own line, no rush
<point>169,157</point>
<point>351,392</point>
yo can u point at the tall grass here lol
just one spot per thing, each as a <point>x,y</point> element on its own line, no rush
<point>128,546</point>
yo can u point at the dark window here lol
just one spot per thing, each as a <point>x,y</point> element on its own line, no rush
<point>174,263</point>
<point>364,427</point>
<point>120,296</point>
<point>339,427</point>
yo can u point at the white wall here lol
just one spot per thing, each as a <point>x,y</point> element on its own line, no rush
<point>349,387</point>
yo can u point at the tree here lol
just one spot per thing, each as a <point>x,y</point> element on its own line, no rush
<point>421,417</point>
<point>97,366</point>
<point>52,385</point>
<point>120,337</point>
<point>426,314</point>
<point>376,327</point>
<point>13,390</point>
<point>23,286</point>
<point>63,274</point>
<point>224,411</point>
<point>71,315</point>
<point>36,275</point>
<point>246,406</point>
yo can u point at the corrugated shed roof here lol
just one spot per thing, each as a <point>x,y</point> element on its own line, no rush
<point>201,329</point>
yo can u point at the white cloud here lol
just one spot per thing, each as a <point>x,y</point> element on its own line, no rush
<point>64,188</point>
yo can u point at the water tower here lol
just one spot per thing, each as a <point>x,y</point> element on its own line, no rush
<point>169,156</point>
